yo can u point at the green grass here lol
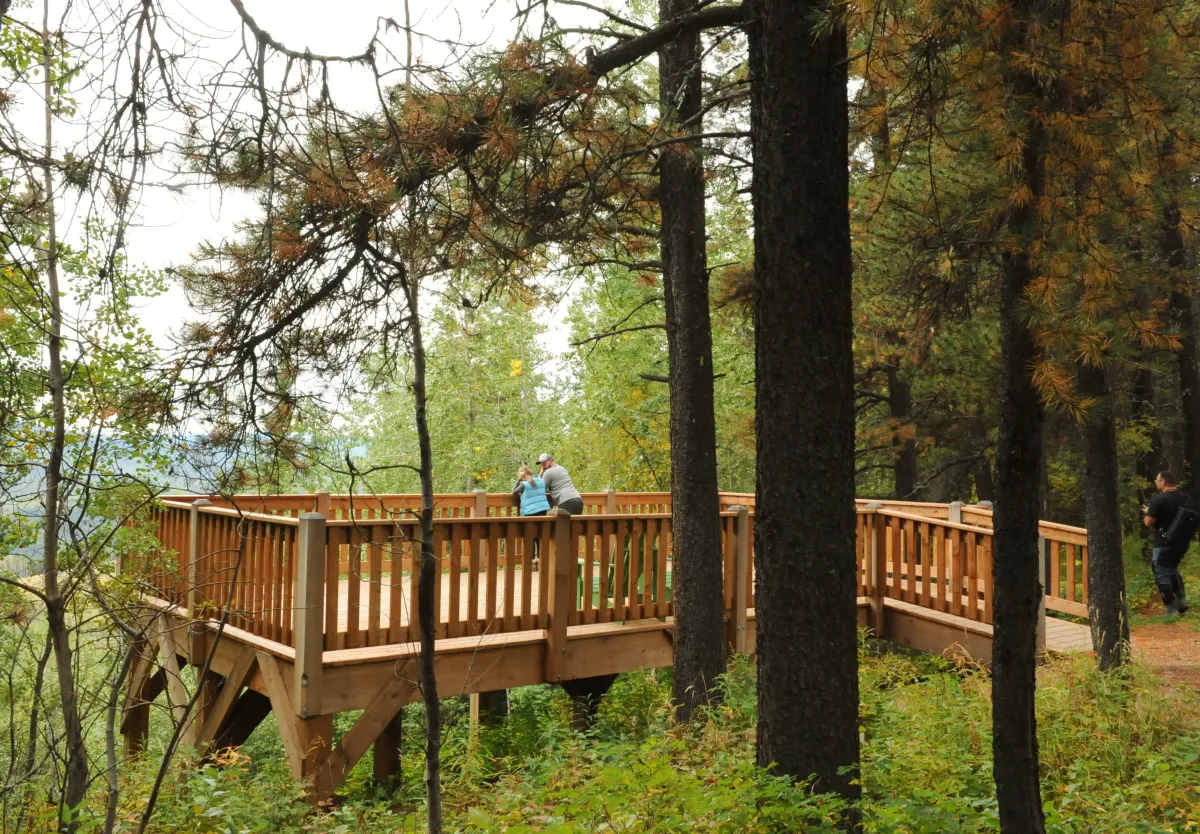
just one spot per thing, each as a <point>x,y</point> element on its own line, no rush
<point>1119,754</point>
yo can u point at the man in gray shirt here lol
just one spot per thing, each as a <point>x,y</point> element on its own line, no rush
<point>558,484</point>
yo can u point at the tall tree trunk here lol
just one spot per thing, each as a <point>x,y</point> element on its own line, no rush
<point>1108,612</point>
<point>807,572</point>
<point>429,574</point>
<point>76,775</point>
<point>1189,388</point>
<point>904,447</point>
<point>695,510</point>
<point>1019,453</point>
<point>1149,462</point>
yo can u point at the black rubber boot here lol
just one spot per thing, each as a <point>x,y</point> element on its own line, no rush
<point>1168,598</point>
<point>1181,603</point>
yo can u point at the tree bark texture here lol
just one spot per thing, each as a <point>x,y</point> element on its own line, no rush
<point>428,576</point>
<point>1189,388</point>
<point>695,511</point>
<point>806,577</point>
<point>1019,470</point>
<point>1108,611</point>
<point>1150,461</point>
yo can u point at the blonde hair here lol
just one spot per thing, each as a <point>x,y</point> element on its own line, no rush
<point>525,473</point>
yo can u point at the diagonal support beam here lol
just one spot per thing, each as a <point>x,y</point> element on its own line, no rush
<point>238,676</point>
<point>281,705</point>
<point>374,720</point>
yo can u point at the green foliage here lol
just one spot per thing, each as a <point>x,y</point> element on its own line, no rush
<point>1118,751</point>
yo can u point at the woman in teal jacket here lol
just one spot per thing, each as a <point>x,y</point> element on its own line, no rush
<point>532,493</point>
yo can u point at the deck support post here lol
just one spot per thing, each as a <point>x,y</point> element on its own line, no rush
<point>877,554</point>
<point>1041,615</point>
<point>610,501</point>
<point>323,504</point>
<point>488,707</point>
<point>308,615</point>
<point>316,742</point>
<point>558,606</point>
<point>387,751</point>
<point>737,636</point>
<point>585,699</point>
<point>196,634</point>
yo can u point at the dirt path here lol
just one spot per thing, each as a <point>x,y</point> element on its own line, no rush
<point>1170,646</point>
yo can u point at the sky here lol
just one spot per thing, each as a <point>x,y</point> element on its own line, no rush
<point>171,225</point>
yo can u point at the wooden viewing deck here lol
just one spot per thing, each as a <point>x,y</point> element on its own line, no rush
<point>304,605</point>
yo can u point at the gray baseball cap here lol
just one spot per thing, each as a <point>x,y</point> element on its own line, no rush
<point>543,457</point>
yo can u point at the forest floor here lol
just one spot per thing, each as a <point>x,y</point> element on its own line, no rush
<point>1171,645</point>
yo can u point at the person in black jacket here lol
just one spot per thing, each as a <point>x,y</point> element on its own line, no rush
<point>1159,514</point>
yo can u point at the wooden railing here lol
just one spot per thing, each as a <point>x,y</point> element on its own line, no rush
<point>272,567</point>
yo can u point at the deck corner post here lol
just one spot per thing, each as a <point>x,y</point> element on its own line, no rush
<point>558,606</point>
<point>610,501</point>
<point>195,643</point>
<point>741,578</point>
<point>480,509</point>
<point>1041,615</point>
<point>308,614</point>
<point>984,505</point>
<point>956,512</point>
<point>878,569</point>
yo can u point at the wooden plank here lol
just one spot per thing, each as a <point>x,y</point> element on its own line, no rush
<point>1055,589</point>
<point>750,528</point>
<point>414,625</point>
<point>923,557</point>
<point>334,637</point>
<point>896,558</point>
<point>1084,582</point>
<point>374,546</point>
<point>242,669</point>
<point>972,576</point>
<point>281,705</point>
<point>274,630</point>
<point>621,529</point>
<point>439,559</point>
<point>940,589</point>
<point>473,578</point>
<point>493,569</point>
<point>546,529</point>
<point>956,586</point>
<point>510,576</point>
<point>398,546</point>
<point>351,555</point>
<point>667,608</point>
<point>528,613</point>
<point>587,606</point>
<point>455,626</point>
<point>604,612</point>
<point>637,565</point>
<point>986,571</point>
<point>287,584</point>
<point>910,540</point>
<point>1070,570</point>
